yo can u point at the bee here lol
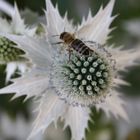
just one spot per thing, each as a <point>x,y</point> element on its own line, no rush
<point>75,44</point>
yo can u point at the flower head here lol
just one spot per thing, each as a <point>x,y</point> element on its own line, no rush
<point>8,53</point>
<point>83,80</point>
<point>67,87</point>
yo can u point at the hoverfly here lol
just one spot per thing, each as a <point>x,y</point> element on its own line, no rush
<point>75,43</point>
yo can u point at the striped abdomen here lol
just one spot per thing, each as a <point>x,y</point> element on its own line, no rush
<point>80,47</point>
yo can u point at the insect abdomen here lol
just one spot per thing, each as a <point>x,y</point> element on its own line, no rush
<point>80,47</point>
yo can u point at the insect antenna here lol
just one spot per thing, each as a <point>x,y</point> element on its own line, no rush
<point>55,35</point>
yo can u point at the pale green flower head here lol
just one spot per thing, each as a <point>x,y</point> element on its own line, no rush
<point>9,53</point>
<point>66,87</point>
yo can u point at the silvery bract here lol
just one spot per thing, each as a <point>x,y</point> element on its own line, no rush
<point>66,88</point>
<point>8,53</point>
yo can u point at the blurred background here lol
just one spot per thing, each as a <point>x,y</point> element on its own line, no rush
<point>15,116</point>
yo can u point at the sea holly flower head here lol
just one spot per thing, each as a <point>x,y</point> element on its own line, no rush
<point>9,53</point>
<point>67,87</point>
<point>83,80</point>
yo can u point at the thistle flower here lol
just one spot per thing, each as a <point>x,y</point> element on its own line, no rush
<point>68,88</point>
<point>8,53</point>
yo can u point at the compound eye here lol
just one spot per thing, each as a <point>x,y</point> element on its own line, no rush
<point>62,35</point>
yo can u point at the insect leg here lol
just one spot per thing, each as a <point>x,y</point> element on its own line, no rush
<point>69,50</point>
<point>57,43</point>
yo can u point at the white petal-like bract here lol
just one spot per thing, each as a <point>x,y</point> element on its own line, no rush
<point>50,109</point>
<point>97,28</point>
<point>77,118</point>
<point>31,84</point>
